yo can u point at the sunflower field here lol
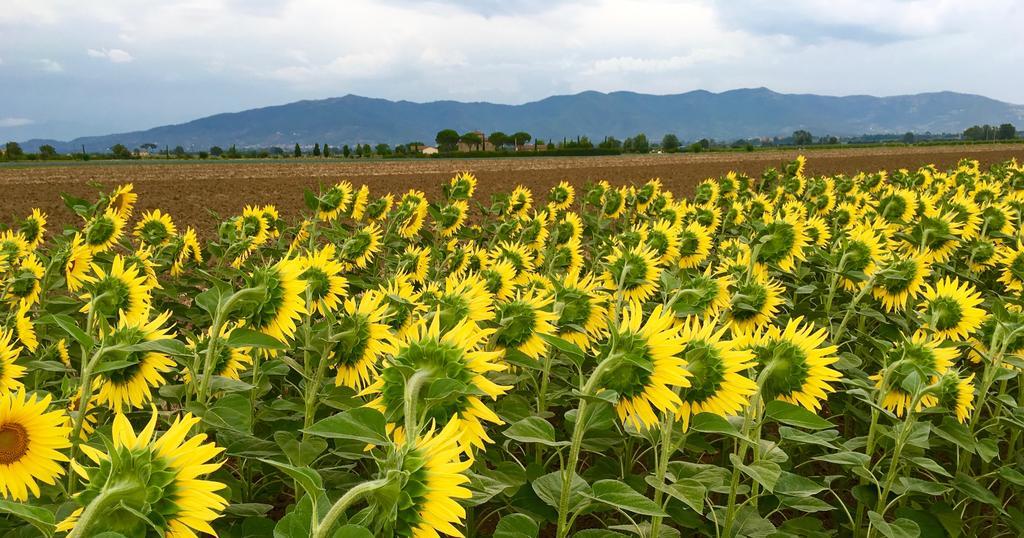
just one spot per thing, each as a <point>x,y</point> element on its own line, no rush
<point>776,356</point>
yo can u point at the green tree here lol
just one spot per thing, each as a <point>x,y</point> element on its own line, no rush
<point>1006,132</point>
<point>802,138</point>
<point>298,150</point>
<point>610,142</point>
<point>498,139</point>
<point>47,151</point>
<point>327,150</point>
<point>670,143</point>
<point>346,151</point>
<point>216,151</point>
<point>909,138</point>
<point>641,144</point>
<point>148,146</point>
<point>521,138</point>
<point>316,149</point>
<point>13,151</point>
<point>447,140</point>
<point>179,152</point>
<point>121,152</point>
<point>471,139</point>
<point>232,153</point>
<point>382,149</point>
<point>367,152</point>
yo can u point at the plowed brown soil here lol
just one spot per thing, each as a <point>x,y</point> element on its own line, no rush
<point>198,193</point>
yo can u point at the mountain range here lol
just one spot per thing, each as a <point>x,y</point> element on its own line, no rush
<point>742,113</point>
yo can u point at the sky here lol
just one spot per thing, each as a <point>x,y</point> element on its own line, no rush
<point>70,68</point>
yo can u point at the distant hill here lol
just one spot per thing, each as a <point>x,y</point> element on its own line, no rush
<point>728,115</point>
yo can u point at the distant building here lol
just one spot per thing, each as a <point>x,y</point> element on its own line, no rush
<point>429,150</point>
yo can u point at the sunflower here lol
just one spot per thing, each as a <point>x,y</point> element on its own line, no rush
<point>30,442</point>
<point>647,366</point>
<point>936,236</point>
<point>25,281</point>
<point>648,194</point>
<point>702,295</point>
<point>782,242</point>
<point>412,210</point>
<point>252,226</point>
<point>121,291</point>
<point>956,394</point>
<point>359,202</point>
<point>613,203</point>
<point>567,229</point>
<point>818,231</point>
<point>754,303</point>
<point>982,253</point>
<point>461,299</point>
<point>363,338</point>
<point>103,231</point>
<point>229,362</point>
<point>967,214</point>
<point>78,264</point>
<point>10,373</point>
<point>155,229</point>
<point>522,322</point>
<point>122,201</point>
<point>533,232</point>
<point>380,208</point>
<point>451,217</point>
<point>999,218</point>
<point>517,255</point>
<point>759,207</point>
<point>62,353</point>
<point>159,482</point>
<point>918,356</point>
<point>435,481</point>
<point>950,309</point>
<point>360,247</point>
<point>897,206</point>
<point>708,216</point>
<point>694,246</point>
<point>26,331</point>
<point>414,262</point>
<point>273,220</point>
<point>519,202</point>
<point>561,196</point>
<point>284,302</point>
<point>900,280</point>
<point>325,285</point>
<point>454,358</point>
<point>581,309</point>
<point>634,273</point>
<point>131,386</point>
<point>188,251</point>
<point>861,253</point>
<point>707,192</point>
<point>334,201</point>
<point>845,214</point>
<point>13,246</point>
<point>794,365</point>
<point>1011,267</point>
<point>403,304</point>
<point>33,228</point>
<point>461,186</point>
<point>716,366</point>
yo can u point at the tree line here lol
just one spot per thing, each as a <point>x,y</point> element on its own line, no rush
<point>449,141</point>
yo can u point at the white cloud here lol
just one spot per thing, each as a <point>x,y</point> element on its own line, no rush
<point>211,56</point>
<point>15,122</point>
<point>116,56</point>
<point>49,66</point>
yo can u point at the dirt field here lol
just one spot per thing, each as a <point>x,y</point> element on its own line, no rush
<point>195,192</point>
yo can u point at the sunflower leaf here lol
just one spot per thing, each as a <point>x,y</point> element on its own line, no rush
<point>360,424</point>
<point>68,324</point>
<point>248,338</point>
<point>623,497</point>
<point>534,430</point>
<point>795,415</point>
<point>39,518</point>
<point>516,526</point>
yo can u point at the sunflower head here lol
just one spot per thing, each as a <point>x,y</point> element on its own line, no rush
<point>104,230</point>
<point>325,285</point>
<point>155,229</point>
<point>645,365</point>
<point>461,187</point>
<point>950,309</point>
<point>753,303</point>
<point>794,364</point>
<point>33,228</point>
<point>159,479</point>
<point>31,438</point>
<point>912,359</point>
<point>561,196</point>
<point>131,385</point>
<point>582,310</point>
<point>118,292</point>
<point>283,301</point>
<point>522,322</point>
<point>634,273</point>
<point>363,338</point>
<point>956,393</point>
<point>716,366</point>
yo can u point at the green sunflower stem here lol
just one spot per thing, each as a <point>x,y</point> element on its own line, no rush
<point>323,528</point>
<point>412,391</point>
<point>85,394</point>
<point>219,318</point>
<point>850,309</point>
<point>869,445</point>
<point>578,429</point>
<point>668,423</point>
<point>92,515</point>
<point>542,403</point>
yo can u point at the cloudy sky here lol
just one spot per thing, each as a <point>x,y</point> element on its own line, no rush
<point>71,68</point>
